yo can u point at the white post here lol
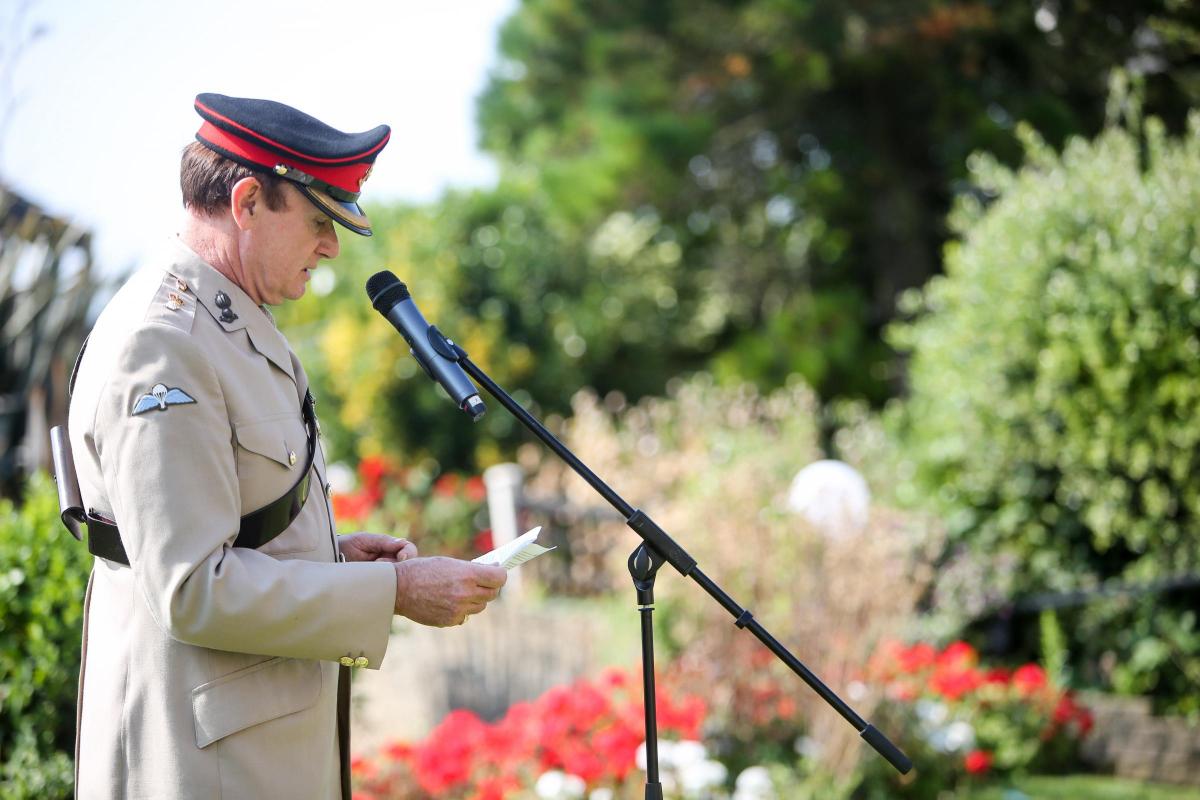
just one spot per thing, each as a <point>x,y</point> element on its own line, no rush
<point>503,483</point>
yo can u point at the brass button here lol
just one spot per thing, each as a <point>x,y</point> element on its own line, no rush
<point>329,490</point>
<point>346,661</point>
<point>361,661</point>
<point>292,457</point>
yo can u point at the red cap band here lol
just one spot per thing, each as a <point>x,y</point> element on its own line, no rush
<point>347,177</point>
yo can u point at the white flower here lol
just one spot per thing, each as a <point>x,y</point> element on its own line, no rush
<point>702,775</point>
<point>754,784</point>
<point>953,738</point>
<point>558,785</point>
<point>686,753</point>
<point>931,712</point>
<point>960,736</point>
<point>807,747</point>
<point>603,793</point>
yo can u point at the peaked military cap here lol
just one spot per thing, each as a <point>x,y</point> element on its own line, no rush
<point>327,165</point>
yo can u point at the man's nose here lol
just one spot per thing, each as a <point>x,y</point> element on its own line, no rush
<point>329,247</point>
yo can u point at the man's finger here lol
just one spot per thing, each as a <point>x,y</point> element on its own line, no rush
<point>491,577</point>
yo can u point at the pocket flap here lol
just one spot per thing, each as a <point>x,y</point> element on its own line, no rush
<point>267,438</point>
<point>254,695</point>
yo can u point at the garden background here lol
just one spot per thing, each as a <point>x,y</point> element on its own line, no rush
<point>951,244</point>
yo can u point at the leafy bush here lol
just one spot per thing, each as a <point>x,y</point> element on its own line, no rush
<point>1054,415</point>
<point>961,722</point>
<point>43,574</point>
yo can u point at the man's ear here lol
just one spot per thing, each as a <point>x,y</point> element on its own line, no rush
<point>244,200</point>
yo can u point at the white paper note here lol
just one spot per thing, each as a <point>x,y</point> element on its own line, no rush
<point>518,551</point>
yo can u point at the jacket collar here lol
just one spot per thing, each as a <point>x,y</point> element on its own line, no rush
<point>229,305</point>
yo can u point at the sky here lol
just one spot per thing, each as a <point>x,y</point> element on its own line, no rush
<point>101,102</point>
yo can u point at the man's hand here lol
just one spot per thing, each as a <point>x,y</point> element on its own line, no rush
<point>442,592</point>
<point>375,547</point>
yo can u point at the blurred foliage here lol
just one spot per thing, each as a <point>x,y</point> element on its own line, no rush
<point>443,515</point>
<point>735,186</point>
<point>1055,389</point>
<point>712,464</point>
<point>43,573</point>
<point>46,285</point>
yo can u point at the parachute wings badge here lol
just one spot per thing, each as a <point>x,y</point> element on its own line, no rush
<point>159,398</point>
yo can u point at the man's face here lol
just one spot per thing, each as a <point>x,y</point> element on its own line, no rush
<point>281,249</point>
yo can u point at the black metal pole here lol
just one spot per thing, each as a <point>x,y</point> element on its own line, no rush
<point>661,547</point>
<point>643,566</point>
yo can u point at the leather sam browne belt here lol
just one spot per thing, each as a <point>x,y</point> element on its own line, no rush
<point>104,539</point>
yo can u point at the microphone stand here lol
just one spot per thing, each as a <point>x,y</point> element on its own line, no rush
<point>657,548</point>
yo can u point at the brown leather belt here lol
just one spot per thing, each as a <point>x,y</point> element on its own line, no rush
<point>256,529</point>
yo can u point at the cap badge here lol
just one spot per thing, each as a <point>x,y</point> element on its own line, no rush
<point>223,302</point>
<point>159,398</point>
<point>366,175</point>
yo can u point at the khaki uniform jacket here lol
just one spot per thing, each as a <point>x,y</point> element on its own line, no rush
<point>209,671</point>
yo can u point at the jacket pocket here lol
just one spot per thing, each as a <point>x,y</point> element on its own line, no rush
<point>271,454</point>
<point>254,695</point>
<point>280,438</point>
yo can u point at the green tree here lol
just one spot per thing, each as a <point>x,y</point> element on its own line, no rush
<point>741,187</point>
<point>803,153</point>
<point>1055,383</point>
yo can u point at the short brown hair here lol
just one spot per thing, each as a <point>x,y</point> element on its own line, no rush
<point>206,178</point>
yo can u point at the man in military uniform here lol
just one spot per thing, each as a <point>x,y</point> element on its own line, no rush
<point>223,611</point>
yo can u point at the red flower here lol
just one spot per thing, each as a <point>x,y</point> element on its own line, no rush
<point>1064,711</point>
<point>916,658</point>
<point>398,751</point>
<point>978,762</point>
<point>483,541</point>
<point>958,655</point>
<point>361,767</point>
<point>614,678</point>
<point>954,684</point>
<point>355,506</point>
<point>1028,679</point>
<point>372,470</point>
<point>446,485</point>
<point>492,789</point>
<point>618,745</point>
<point>686,717</point>
<point>474,489</point>
<point>997,676</point>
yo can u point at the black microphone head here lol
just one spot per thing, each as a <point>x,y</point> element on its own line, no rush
<point>385,290</point>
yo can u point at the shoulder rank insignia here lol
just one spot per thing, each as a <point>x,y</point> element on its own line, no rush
<point>160,397</point>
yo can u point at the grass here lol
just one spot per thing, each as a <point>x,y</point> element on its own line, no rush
<point>1083,787</point>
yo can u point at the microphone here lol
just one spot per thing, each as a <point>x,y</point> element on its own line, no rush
<point>433,351</point>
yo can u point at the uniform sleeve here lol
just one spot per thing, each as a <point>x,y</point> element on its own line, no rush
<point>172,478</point>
